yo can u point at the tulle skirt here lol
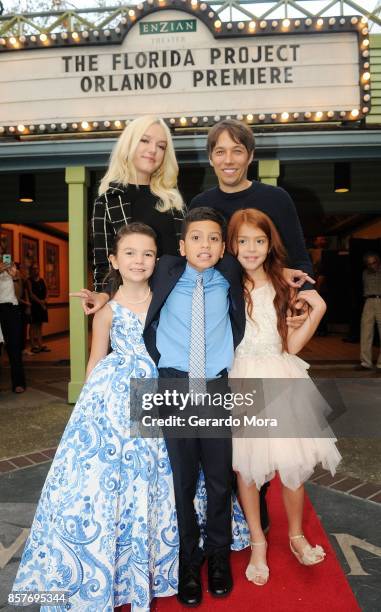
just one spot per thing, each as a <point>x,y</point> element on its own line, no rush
<point>303,437</point>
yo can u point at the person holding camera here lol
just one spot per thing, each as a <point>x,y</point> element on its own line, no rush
<point>11,321</point>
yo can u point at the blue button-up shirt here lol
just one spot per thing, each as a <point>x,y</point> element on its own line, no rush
<point>173,332</point>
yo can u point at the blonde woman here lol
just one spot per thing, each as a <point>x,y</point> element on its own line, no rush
<point>139,185</point>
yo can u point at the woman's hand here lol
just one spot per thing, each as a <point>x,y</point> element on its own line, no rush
<point>91,300</point>
<point>8,267</point>
<point>296,278</point>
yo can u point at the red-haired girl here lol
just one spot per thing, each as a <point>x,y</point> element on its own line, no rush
<point>269,350</point>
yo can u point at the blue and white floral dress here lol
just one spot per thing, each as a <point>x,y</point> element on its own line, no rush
<point>105,528</point>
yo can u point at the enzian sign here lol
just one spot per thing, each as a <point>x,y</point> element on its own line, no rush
<point>168,27</point>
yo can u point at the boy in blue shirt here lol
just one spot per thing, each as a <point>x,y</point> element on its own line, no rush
<point>168,337</point>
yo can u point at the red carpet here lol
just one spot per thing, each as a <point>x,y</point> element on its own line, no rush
<point>291,587</point>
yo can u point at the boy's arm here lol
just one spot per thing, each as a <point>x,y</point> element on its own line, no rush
<point>101,338</point>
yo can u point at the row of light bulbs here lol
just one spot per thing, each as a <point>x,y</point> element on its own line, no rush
<point>86,126</point>
<point>285,24</point>
<point>250,26</point>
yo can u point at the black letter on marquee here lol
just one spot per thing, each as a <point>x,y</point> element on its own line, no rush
<point>294,48</point>
<point>274,75</point>
<point>214,54</point>
<point>288,74</point>
<point>66,62</point>
<point>116,59</point>
<point>229,55</point>
<point>86,84</point>
<point>99,83</point>
<point>188,58</point>
<point>279,55</point>
<point>93,63</point>
<point>197,77</point>
<point>165,80</point>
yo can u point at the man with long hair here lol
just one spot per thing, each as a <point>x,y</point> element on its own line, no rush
<point>231,147</point>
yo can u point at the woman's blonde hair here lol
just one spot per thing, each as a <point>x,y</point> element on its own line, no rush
<point>121,169</point>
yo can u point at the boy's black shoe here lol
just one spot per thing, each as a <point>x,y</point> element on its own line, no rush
<point>190,592</point>
<point>220,581</point>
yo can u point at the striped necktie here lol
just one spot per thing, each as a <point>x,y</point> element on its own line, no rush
<point>197,339</point>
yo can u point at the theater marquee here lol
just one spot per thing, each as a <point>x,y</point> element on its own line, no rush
<point>186,65</point>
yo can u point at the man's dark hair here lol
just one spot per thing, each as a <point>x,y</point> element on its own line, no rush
<point>203,213</point>
<point>237,130</point>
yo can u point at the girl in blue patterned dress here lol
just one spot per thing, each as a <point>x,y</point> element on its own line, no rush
<point>105,528</point>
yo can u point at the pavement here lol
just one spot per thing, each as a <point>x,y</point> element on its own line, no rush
<point>349,504</point>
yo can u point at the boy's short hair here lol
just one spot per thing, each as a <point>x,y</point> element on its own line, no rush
<point>237,130</point>
<point>203,213</point>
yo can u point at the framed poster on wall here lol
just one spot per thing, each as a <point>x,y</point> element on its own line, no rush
<point>52,268</point>
<point>29,254</point>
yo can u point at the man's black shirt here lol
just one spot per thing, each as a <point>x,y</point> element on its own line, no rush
<point>274,202</point>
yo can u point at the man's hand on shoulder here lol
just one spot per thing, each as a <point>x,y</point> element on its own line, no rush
<point>296,278</point>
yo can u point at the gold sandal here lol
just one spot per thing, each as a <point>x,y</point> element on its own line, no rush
<point>253,572</point>
<point>310,555</point>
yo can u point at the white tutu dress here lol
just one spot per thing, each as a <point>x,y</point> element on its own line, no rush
<point>304,438</point>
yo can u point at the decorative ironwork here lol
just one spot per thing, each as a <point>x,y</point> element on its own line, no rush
<point>49,22</point>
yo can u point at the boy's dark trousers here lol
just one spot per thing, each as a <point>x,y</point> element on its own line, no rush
<point>215,456</point>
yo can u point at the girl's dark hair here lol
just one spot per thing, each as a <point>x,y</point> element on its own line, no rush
<point>273,265</point>
<point>113,279</point>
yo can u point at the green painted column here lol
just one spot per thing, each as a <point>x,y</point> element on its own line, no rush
<point>77,180</point>
<point>268,171</point>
